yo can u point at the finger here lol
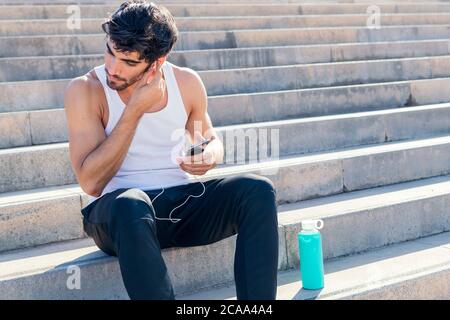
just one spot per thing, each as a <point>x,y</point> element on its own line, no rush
<point>155,77</point>
<point>196,168</point>
<point>200,159</point>
<point>208,157</point>
<point>187,160</point>
<point>197,158</point>
<point>195,165</point>
<point>197,172</point>
<point>145,76</point>
<point>194,172</point>
<point>200,162</point>
<point>198,137</point>
<point>192,159</point>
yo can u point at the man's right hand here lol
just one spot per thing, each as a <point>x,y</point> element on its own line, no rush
<point>149,91</point>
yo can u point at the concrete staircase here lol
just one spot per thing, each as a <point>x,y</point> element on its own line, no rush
<point>363,117</point>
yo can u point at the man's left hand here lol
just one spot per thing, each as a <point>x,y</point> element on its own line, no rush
<point>200,163</point>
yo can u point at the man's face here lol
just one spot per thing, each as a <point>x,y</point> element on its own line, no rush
<point>123,69</point>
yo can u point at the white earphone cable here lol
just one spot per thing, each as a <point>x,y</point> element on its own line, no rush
<point>170,215</point>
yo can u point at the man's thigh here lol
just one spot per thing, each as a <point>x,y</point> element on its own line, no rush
<point>98,218</point>
<point>215,215</point>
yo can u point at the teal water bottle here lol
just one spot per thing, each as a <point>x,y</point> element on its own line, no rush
<point>311,257</point>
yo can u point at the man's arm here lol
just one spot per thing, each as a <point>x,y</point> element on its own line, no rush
<point>95,158</point>
<point>200,121</point>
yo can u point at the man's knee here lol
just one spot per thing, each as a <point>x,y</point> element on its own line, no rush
<point>254,183</point>
<point>257,196</point>
<point>258,189</point>
<point>131,206</point>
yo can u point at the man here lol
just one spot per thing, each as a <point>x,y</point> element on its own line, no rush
<point>122,117</point>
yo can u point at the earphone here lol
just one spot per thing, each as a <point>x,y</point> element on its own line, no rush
<point>190,152</point>
<point>170,215</point>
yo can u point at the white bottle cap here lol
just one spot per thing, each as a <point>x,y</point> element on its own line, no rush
<point>312,225</point>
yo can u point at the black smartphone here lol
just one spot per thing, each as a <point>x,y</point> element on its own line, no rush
<point>197,148</point>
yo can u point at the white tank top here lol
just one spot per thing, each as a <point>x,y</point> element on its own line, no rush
<point>159,138</point>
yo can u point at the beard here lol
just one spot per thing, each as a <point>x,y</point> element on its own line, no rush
<point>121,84</point>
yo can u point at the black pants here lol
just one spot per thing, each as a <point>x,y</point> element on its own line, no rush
<point>122,223</point>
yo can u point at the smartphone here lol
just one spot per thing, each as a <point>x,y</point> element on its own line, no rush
<point>197,148</point>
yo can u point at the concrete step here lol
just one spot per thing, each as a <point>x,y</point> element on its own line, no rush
<point>43,272</point>
<point>40,216</point>
<point>326,173</point>
<point>218,1</point>
<point>21,129</point>
<point>13,12</point>
<point>49,93</point>
<point>69,66</point>
<point>413,270</point>
<point>52,214</point>
<point>49,165</point>
<point>25,128</point>
<point>283,104</point>
<point>185,2</point>
<point>190,24</point>
<point>50,45</point>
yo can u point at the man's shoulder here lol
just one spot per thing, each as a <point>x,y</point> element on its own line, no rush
<point>190,82</point>
<point>87,84</point>
<point>185,75</point>
<point>84,90</point>
<point>191,87</point>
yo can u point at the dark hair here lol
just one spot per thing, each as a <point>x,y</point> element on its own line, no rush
<point>143,27</point>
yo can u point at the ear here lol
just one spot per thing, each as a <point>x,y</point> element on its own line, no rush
<point>161,60</point>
